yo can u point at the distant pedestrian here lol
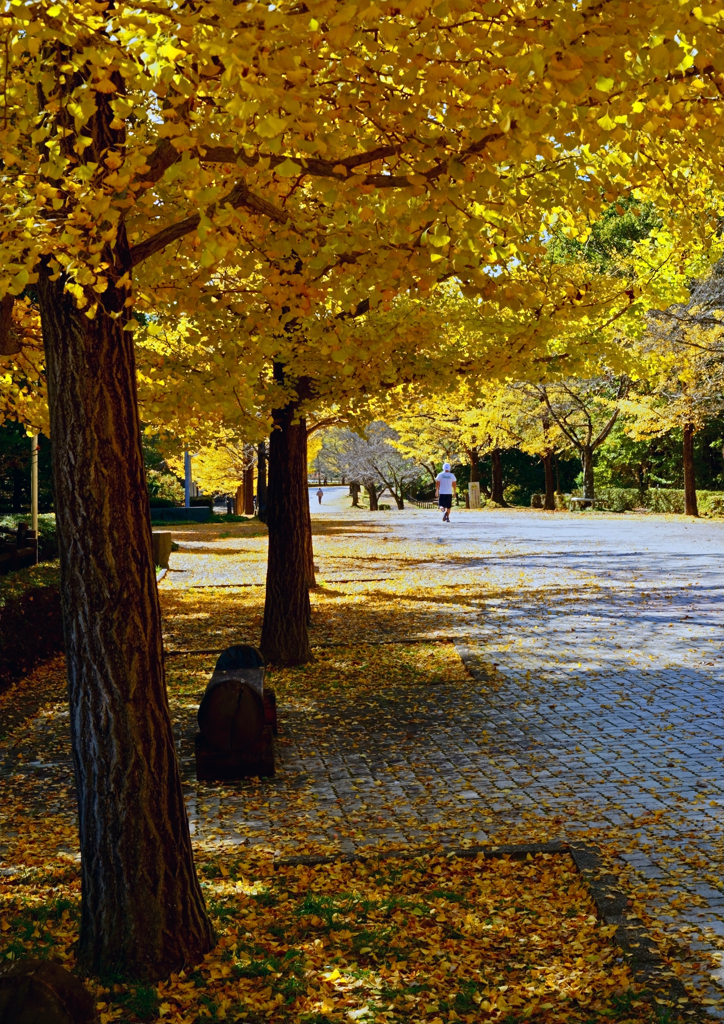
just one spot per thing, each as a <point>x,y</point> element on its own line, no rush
<point>320,495</point>
<point>445,487</point>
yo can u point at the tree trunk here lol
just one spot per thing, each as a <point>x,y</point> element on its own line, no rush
<point>690,503</point>
<point>285,636</point>
<point>496,481</point>
<point>399,495</point>
<point>558,477</point>
<point>474,465</point>
<point>587,465</point>
<point>247,481</point>
<point>372,494</point>
<point>550,497</point>
<point>261,481</point>
<point>142,910</point>
<point>354,491</point>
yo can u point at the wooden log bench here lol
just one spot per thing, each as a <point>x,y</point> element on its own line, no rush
<point>237,719</point>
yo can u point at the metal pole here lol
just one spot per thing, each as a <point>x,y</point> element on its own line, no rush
<point>34,482</point>
<point>34,491</point>
<point>187,479</point>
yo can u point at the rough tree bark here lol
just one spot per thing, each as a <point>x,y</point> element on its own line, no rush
<point>285,632</point>
<point>372,495</point>
<point>142,910</point>
<point>691,507</point>
<point>496,480</point>
<point>354,491</point>
<point>474,457</point>
<point>549,503</point>
<point>261,480</point>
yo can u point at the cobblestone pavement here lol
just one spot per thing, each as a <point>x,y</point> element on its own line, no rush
<point>595,705</point>
<point>595,642</point>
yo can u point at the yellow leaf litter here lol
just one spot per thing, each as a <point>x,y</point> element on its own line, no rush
<point>430,939</point>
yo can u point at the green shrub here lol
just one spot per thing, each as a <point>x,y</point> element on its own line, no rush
<point>664,499</point>
<point>658,499</point>
<point>710,503</point>
<point>618,499</point>
<point>47,533</point>
<point>31,626</point>
<point>514,494</point>
<point>164,489</point>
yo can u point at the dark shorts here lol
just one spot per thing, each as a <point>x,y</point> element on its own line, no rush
<point>445,500</point>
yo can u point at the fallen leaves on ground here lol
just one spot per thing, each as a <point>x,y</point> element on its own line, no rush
<point>392,745</point>
<point>430,939</point>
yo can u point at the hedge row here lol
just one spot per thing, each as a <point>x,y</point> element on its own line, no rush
<point>664,499</point>
<point>31,626</point>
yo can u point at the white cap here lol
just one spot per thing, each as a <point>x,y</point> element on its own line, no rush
<point>446,467</point>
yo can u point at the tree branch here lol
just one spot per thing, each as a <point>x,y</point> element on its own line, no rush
<point>606,431</point>
<point>317,168</point>
<point>561,423</point>
<point>240,196</point>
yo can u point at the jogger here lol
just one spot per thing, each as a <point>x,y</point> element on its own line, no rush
<point>445,487</point>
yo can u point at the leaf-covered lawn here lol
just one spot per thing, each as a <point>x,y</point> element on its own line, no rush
<point>433,939</point>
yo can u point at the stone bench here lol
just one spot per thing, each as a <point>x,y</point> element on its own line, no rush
<point>237,719</point>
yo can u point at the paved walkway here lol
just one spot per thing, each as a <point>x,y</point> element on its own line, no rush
<point>602,636</point>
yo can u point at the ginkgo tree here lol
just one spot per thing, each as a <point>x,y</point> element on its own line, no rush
<point>320,158</point>
<point>683,388</point>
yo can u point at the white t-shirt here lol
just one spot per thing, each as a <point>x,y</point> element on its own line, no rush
<point>446,481</point>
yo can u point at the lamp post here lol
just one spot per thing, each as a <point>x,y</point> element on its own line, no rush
<point>187,479</point>
<point>34,481</point>
<point>34,489</point>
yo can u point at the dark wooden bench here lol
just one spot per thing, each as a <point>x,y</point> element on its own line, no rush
<point>237,719</point>
<point>18,548</point>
